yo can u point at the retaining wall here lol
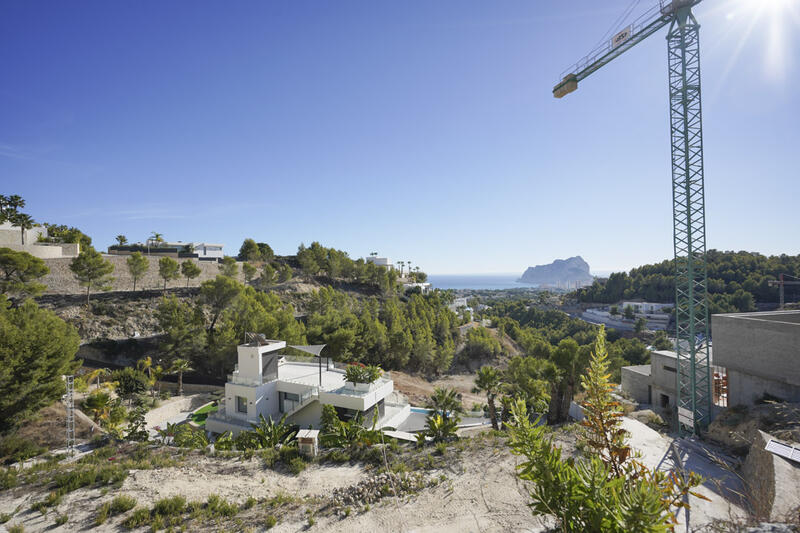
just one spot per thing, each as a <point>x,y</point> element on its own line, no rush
<point>61,280</point>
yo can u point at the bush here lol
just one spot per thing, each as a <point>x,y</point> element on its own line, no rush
<point>122,503</point>
<point>249,503</point>
<point>287,453</point>
<point>103,513</point>
<point>8,478</point>
<point>4,517</point>
<point>138,518</point>
<point>76,479</point>
<point>270,521</point>
<point>61,519</point>
<point>219,507</point>
<point>16,528</point>
<point>297,465</point>
<point>269,456</point>
<point>170,506</point>
<point>16,449</point>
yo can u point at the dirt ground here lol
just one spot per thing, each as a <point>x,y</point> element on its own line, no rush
<point>418,390</point>
<point>479,493</point>
<point>48,428</point>
<point>476,490</point>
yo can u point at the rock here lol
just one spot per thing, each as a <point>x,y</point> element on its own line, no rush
<point>560,271</point>
<point>771,480</point>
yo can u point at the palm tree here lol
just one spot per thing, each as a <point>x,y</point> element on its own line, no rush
<point>99,405</point>
<point>122,240</point>
<point>446,401</point>
<point>156,373</point>
<point>179,366</point>
<point>155,237</point>
<point>23,222</point>
<point>402,264</point>
<point>488,381</point>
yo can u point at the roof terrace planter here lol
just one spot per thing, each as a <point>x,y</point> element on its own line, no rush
<point>360,378</point>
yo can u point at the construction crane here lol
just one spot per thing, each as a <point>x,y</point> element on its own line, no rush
<point>781,283</point>
<point>694,397</point>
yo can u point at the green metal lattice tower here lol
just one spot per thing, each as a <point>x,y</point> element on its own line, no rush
<point>693,385</point>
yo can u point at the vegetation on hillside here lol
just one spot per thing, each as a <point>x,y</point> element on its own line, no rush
<point>607,489</point>
<point>36,349</point>
<point>736,281</point>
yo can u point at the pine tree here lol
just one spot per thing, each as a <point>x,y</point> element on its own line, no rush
<point>36,349</point>
<point>92,271</point>
<point>138,265</point>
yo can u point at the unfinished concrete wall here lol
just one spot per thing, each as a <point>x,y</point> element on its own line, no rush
<point>636,382</point>
<point>747,389</point>
<point>761,352</point>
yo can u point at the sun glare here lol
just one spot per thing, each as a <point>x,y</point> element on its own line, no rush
<point>767,21</point>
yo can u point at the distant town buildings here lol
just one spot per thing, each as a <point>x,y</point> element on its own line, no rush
<point>12,237</point>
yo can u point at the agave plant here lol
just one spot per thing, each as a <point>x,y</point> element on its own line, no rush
<point>270,434</point>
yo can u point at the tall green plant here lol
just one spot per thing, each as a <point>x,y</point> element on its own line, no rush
<point>608,490</point>
<point>92,271</point>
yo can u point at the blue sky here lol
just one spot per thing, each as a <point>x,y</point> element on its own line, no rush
<point>423,130</point>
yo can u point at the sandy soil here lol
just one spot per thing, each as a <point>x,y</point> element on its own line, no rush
<point>478,492</point>
<point>174,407</point>
<point>418,390</point>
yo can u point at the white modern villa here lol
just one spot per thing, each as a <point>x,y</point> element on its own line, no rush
<point>269,383</point>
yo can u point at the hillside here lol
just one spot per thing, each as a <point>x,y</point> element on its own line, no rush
<point>559,272</point>
<point>737,281</point>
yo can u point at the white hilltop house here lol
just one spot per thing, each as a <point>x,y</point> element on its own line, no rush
<point>268,383</point>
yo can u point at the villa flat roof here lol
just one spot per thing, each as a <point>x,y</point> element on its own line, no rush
<point>309,374</point>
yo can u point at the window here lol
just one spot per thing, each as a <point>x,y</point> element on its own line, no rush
<point>669,368</point>
<point>241,404</point>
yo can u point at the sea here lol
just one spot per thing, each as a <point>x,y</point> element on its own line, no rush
<point>477,281</point>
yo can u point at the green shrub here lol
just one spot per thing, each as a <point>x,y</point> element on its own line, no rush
<point>122,503</point>
<point>269,456</point>
<point>270,521</point>
<point>250,503</point>
<point>16,528</point>
<point>338,455</point>
<point>220,507</point>
<point>16,449</point>
<point>297,465</point>
<point>441,448</point>
<point>62,519</point>
<point>170,506</point>
<point>4,517</point>
<point>99,475</point>
<point>287,453</point>
<point>138,518</point>
<point>102,513</point>
<point>8,478</point>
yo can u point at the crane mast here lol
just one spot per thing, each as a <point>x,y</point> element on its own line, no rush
<point>693,380</point>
